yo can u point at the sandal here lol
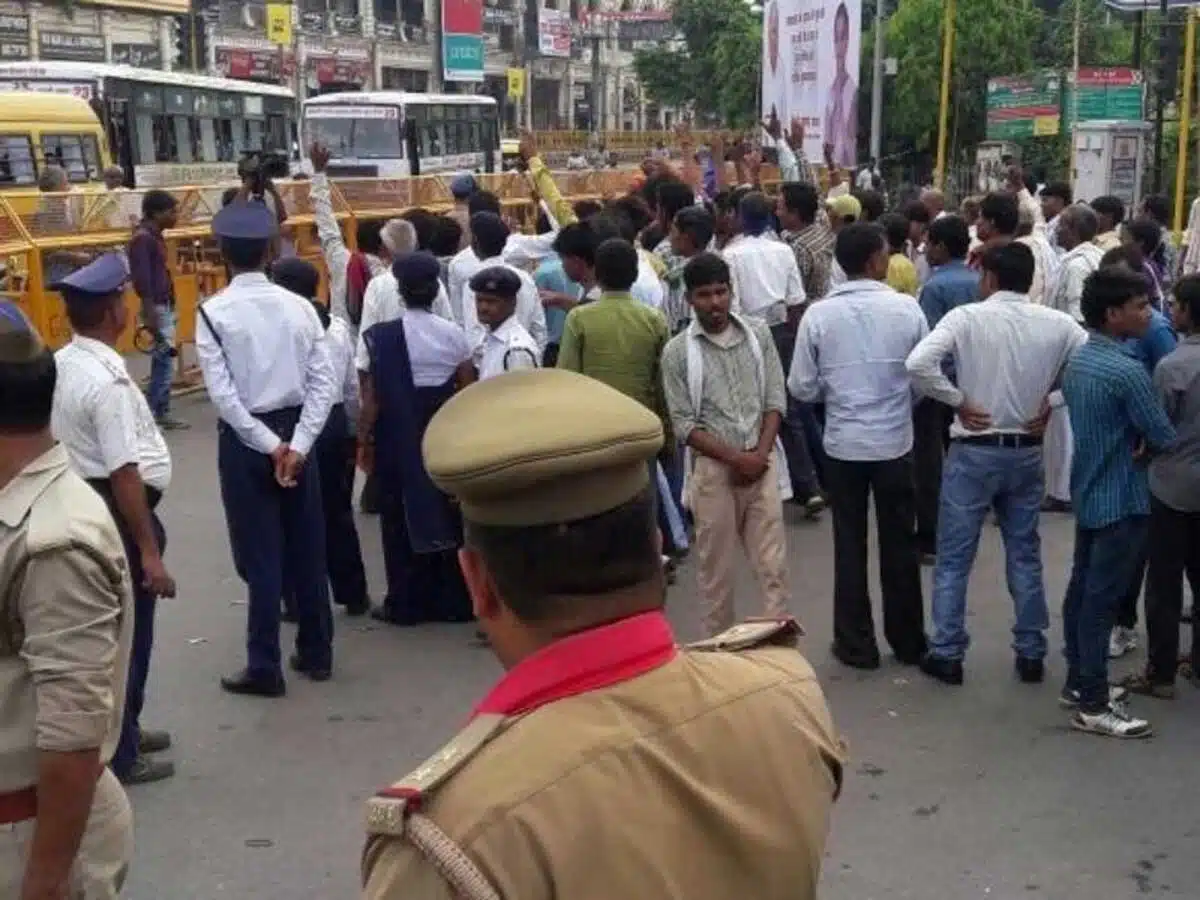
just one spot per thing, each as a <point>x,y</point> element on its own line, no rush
<point>1141,684</point>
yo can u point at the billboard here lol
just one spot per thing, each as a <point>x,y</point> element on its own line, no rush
<point>810,63</point>
<point>554,32</point>
<point>462,40</point>
<point>1024,106</point>
<point>1113,94</point>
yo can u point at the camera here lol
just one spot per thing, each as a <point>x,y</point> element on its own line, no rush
<point>260,166</point>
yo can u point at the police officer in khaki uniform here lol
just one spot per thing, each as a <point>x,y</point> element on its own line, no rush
<point>608,762</point>
<point>66,830</point>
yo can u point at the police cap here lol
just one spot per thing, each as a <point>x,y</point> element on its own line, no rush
<point>19,342</point>
<point>462,186</point>
<point>416,270</point>
<point>497,281</point>
<point>251,221</point>
<point>101,278</point>
<point>540,447</point>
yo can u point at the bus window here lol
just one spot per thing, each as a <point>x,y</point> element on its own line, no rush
<point>206,141</point>
<point>226,148</point>
<point>67,150</point>
<point>165,147</point>
<point>359,138</point>
<point>254,135</point>
<point>183,138</point>
<point>16,160</point>
<point>277,136</point>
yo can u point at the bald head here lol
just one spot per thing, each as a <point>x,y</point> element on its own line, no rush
<point>398,237</point>
<point>934,201</point>
<point>53,179</point>
<point>114,177</point>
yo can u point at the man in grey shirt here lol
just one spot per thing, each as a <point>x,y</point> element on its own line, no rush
<point>1174,540</point>
<point>725,393</point>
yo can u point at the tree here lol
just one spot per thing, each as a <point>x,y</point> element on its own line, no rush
<point>715,67</point>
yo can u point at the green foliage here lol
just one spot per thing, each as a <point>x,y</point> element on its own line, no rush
<point>715,68</point>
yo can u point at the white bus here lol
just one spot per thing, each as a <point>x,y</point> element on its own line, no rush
<point>389,134</point>
<point>169,128</point>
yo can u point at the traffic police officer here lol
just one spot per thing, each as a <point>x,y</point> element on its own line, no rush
<point>608,762</point>
<point>66,622</point>
<point>104,423</point>
<point>506,345</point>
<point>262,353</point>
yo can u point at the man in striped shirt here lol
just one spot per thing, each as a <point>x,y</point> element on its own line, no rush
<point>1117,420</point>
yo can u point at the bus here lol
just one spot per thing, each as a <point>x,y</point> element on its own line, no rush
<point>168,128</point>
<point>389,134</point>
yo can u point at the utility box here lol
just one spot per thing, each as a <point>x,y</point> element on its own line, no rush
<point>1107,159</point>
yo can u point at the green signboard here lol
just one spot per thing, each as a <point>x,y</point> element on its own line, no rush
<point>1107,94</point>
<point>1024,106</point>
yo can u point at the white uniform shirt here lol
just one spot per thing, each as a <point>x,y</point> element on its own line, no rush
<point>101,417</point>
<point>765,276</point>
<point>436,348</point>
<point>382,303</point>
<point>507,348</point>
<point>529,312</point>
<point>1008,352</point>
<point>272,355</point>
<point>340,346</point>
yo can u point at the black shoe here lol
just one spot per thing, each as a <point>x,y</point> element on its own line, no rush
<point>146,771</point>
<point>153,741</point>
<point>288,616</point>
<point>314,673</point>
<point>248,684</point>
<point>368,501</point>
<point>358,609</point>
<point>1031,671</point>
<point>927,558</point>
<point>947,671</point>
<point>380,614</point>
<point>866,663</point>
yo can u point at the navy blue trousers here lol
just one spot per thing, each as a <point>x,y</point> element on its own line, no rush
<point>272,530</point>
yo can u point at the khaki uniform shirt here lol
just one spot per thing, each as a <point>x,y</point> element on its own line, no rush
<point>67,619</point>
<point>710,776</point>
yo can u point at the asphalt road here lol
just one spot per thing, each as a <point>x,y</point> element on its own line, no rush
<point>976,792</point>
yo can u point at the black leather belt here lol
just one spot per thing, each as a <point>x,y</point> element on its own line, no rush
<point>1011,440</point>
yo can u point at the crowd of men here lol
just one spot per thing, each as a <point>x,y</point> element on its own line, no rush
<point>716,353</point>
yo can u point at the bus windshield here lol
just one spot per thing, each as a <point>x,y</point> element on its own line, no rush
<point>358,132</point>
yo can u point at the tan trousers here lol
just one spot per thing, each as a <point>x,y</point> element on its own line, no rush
<point>725,515</point>
<point>104,855</point>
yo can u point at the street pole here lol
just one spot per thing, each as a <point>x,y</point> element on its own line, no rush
<point>598,98</point>
<point>1160,99</point>
<point>1075,36</point>
<point>876,86</point>
<point>939,175</point>
<point>1185,118</point>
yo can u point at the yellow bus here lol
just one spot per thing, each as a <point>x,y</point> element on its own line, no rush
<point>38,130</point>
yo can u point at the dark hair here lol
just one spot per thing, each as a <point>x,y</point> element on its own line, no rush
<point>801,199</point>
<point>608,225</point>
<point>705,269</point>
<point>1159,208</point>
<point>446,237</point>
<point>86,310</point>
<point>421,294</point>
<point>1146,233</point>
<point>1012,264</point>
<point>729,200</point>
<point>369,236</point>
<point>229,196</point>
<point>673,196</point>
<point>697,223</point>
<point>1082,220</point>
<point>543,225</point>
<point>917,212</point>
<point>585,209</point>
<point>856,244</point>
<point>1030,182</point>
<point>1187,294</point>
<point>1110,206</point>
<point>577,240</point>
<point>1002,211</point>
<point>244,253</point>
<point>543,571</point>
<point>872,205</point>
<point>633,208</point>
<point>1118,256</point>
<point>652,235</point>
<point>1059,190</point>
<point>27,394</point>
<point>296,275</point>
<point>951,232</point>
<point>895,226</point>
<point>489,234</point>
<point>322,312</point>
<point>156,202</point>
<point>616,265</point>
<point>424,223</point>
<point>1109,287</point>
<point>483,201</point>
<point>754,210</point>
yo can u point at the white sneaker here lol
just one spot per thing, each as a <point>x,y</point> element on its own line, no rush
<point>1070,699</point>
<point>1111,722</point>
<point>1121,641</point>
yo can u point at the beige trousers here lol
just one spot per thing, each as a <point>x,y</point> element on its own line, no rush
<point>727,514</point>
<point>104,855</point>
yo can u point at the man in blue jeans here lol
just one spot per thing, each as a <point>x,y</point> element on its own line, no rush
<point>1117,421</point>
<point>1008,354</point>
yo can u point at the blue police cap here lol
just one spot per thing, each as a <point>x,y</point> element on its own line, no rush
<point>19,343</point>
<point>499,281</point>
<point>416,269</point>
<point>462,186</point>
<point>251,221</point>
<point>101,277</point>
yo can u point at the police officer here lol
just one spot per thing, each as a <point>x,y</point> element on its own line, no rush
<point>66,622</point>
<point>607,762</point>
<point>262,353</point>
<point>104,423</point>
<point>506,345</point>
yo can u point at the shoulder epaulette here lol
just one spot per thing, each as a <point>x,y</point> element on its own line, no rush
<point>390,807</point>
<point>753,633</point>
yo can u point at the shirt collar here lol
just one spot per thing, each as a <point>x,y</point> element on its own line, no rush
<point>616,295</point>
<point>97,348</point>
<point>587,661</point>
<point>19,495</point>
<point>1009,297</point>
<point>860,286</point>
<point>502,331</point>
<point>248,278</point>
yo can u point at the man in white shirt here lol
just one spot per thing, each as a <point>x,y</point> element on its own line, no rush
<point>506,346</point>
<point>850,354</point>
<point>262,353</point>
<point>105,424</point>
<point>1009,354</point>
<point>489,234</point>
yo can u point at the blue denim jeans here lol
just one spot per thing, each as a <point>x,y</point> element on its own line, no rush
<point>162,364</point>
<point>976,479</point>
<point>1105,559</point>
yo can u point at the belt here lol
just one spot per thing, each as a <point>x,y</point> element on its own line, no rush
<point>103,487</point>
<point>1010,439</point>
<point>18,806</point>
